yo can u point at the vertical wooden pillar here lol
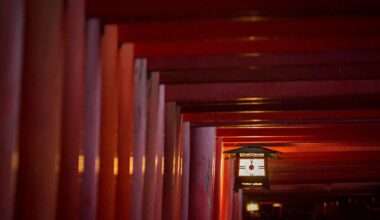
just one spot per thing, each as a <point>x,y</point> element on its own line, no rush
<point>238,205</point>
<point>185,171</point>
<point>228,184</point>
<point>125,137</point>
<point>72,112</point>
<point>222,188</point>
<point>11,42</point>
<point>91,127</point>
<point>171,201</point>
<point>109,125</point>
<point>151,148</point>
<point>217,185</point>
<point>160,152</point>
<point>230,189</point>
<point>139,132</point>
<point>178,165</point>
<point>40,119</point>
<point>201,173</point>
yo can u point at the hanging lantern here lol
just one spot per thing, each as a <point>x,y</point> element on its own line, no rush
<point>251,168</point>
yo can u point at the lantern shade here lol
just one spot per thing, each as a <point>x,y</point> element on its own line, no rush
<point>251,168</point>
<point>255,149</point>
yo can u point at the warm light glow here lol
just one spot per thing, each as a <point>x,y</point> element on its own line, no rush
<point>277,205</point>
<point>163,166</point>
<point>115,165</point>
<point>252,38</point>
<point>97,164</point>
<point>250,18</point>
<point>174,166</point>
<point>250,55</point>
<point>131,165</point>
<point>143,164</point>
<point>181,166</point>
<point>81,163</point>
<point>178,165</point>
<point>253,207</point>
<point>15,161</point>
<point>252,99</point>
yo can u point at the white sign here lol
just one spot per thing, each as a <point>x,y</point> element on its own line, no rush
<point>251,167</point>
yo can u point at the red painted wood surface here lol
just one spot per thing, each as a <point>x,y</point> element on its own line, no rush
<point>125,132</point>
<point>139,138</point>
<point>91,133</point>
<point>229,28</point>
<point>108,124</point>
<point>255,104</point>
<point>11,42</point>
<point>238,205</point>
<point>185,171</point>
<point>151,164</point>
<point>179,164</point>
<point>204,62</point>
<point>203,143</point>
<point>281,115</point>
<point>40,116</point>
<point>280,45</point>
<point>68,206</point>
<point>359,134</point>
<point>218,181</point>
<point>229,172</point>
<point>121,11</point>
<point>171,202</point>
<point>353,131</point>
<point>278,73</point>
<point>160,153</point>
<point>197,92</point>
<point>319,189</point>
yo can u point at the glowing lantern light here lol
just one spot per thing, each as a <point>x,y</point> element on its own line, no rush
<point>253,207</point>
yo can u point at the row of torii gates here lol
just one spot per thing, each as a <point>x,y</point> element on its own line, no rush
<point>71,96</point>
<point>89,129</point>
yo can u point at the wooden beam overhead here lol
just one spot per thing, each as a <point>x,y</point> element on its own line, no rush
<point>203,62</point>
<point>330,178</point>
<point>280,115</point>
<point>230,142</point>
<point>274,73</point>
<point>276,45</point>
<point>359,134</point>
<point>228,28</point>
<point>314,189</point>
<point>123,11</point>
<point>208,92</point>
<point>282,118</point>
<point>289,123</point>
<point>321,103</point>
<point>344,132</point>
<point>301,143</point>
